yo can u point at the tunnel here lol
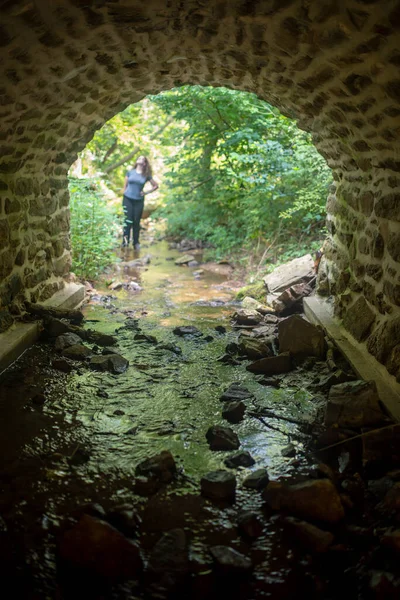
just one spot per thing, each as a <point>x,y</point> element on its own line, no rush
<point>333,65</point>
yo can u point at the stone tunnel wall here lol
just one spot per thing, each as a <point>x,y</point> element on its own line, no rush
<point>332,64</point>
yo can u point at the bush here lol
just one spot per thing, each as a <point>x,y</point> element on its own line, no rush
<point>94,227</point>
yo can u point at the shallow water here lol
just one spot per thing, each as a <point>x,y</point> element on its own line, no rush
<point>74,449</point>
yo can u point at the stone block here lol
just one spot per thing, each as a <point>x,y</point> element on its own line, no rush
<point>359,319</point>
<point>301,338</point>
<point>354,404</point>
<point>283,277</point>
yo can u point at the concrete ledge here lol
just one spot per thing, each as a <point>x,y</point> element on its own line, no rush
<point>319,311</point>
<point>21,336</point>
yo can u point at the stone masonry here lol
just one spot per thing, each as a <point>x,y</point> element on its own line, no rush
<point>70,65</point>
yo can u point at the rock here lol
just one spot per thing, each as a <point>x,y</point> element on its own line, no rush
<point>143,337</point>
<point>118,412</point>
<point>66,340</point>
<point>384,585</point>
<point>218,485</point>
<point>301,338</point>
<point>391,540</point>
<point>115,363</point>
<point>220,329</point>
<point>61,365</point>
<point>6,320</point>
<point>247,317</point>
<point>239,459</point>
<point>296,271</point>
<point>100,550</point>
<point>254,348</point>
<point>160,466</point>
<point>233,411</point>
<point>146,486</point>
<point>235,393</point>
<point>317,499</point>
<point>187,330</point>
<point>185,259</point>
<point>198,273</point>
<point>132,324</point>
<point>108,350</point>
<point>354,404</point>
<point>193,263</point>
<point>250,525</point>
<point>290,300</point>
<point>170,347</point>
<point>274,365</point>
<point>170,554</point>
<point>79,457</point>
<point>222,438</point>
<point>124,518</point>
<point>288,451</point>
<point>310,536</point>
<point>257,480</point>
<point>101,339</point>
<point>232,348</point>
<point>39,399</point>
<point>55,327</point>
<point>77,352</point>
<point>228,359</point>
<point>392,497</point>
<point>230,561</point>
<point>116,285</point>
<point>381,448</point>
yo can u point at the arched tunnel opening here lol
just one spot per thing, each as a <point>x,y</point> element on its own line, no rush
<point>106,490</point>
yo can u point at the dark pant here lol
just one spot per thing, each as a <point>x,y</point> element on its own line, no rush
<point>133,210</point>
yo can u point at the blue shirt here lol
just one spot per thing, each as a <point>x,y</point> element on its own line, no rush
<point>135,185</point>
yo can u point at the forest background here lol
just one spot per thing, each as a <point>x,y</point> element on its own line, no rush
<point>234,173</point>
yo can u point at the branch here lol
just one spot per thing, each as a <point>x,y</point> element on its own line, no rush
<point>111,149</point>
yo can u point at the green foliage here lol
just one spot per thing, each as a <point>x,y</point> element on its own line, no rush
<point>94,226</point>
<point>244,173</point>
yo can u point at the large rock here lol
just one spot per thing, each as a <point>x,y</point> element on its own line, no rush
<point>296,271</point>
<point>354,404</point>
<point>185,259</point>
<point>382,447</point>
<point>316,500</point>
<point>230,561</point>
<point>255,348</point>
<point>170,554</point>
<point>257,480</point>
<point>235,393</point>
<point>233,411</point>
<point>160,466</point>
<point>222,438</point>
<point>239,459</point>
<point>185,330</point>
<point>311,537</point>
<point>359,319</point>
<point>301,338</point>
<point>250,525</point>
<point>247,317</point>
<point>100,550</point>
<point>272,365</point>
<point>77,352</point>
<point>115,363</point>
<point>218,485</point>
<point>66,340</point>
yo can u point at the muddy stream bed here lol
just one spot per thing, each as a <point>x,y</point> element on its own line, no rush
<point>71,443</point>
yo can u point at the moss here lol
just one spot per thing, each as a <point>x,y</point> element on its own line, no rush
<point>254,290</point>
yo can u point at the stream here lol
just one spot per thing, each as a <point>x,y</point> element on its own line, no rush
<point>76,450</point>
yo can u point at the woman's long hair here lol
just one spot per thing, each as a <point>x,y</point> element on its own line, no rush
<point>147,170</point>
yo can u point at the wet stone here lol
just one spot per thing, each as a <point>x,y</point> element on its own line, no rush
<point>391,540</point>
<point>77,352</point>
<point>170,554</point>
<point>273,365</point>
<point>102,339</point>
<point>222,438</point>
<point>354,404</point>
<point>108,350</point>
<point>288,451</point>
<point>160,466</point>
<point>316,500</point>
<point>254,348</point>
<point>118,413</point>
<point>99,550</point>
<point>311,537</point>
<point>66,340</point>
<point>247,317</point>
<point>187,330</point>
<point>235,393</point>
<point>257,480</point>
<point>185,259</point>
<point>61,365</point>
<point>218,485</point>
<point>301,338</point>
<point>39,399</point>
<point>250,525</point>
<point>110,362</point>
<point>239,459</point>
<point>233,411</point>
<point>220,329</point>
<point>124,518</point>
<point>230,561</point>
<point>170,347</point>
<point>143,337</point>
